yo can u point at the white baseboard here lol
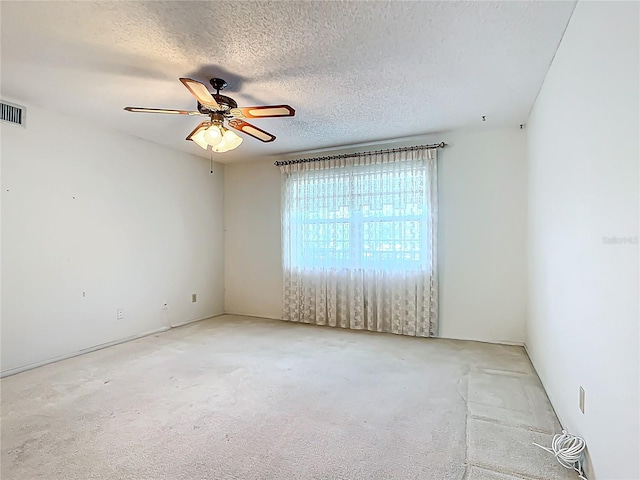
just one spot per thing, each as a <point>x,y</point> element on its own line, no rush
<point>493,342</point>
<point>497,342</point>
<point>252,315</point>
<point>562,424</point>
<point>100,346</point>
<point>196,320</point>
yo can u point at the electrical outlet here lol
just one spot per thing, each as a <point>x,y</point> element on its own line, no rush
<point>582,399</point>
<point>193,298</point>
<point>120,314</point>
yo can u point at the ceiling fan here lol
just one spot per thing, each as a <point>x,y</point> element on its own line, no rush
<point>219,108</point>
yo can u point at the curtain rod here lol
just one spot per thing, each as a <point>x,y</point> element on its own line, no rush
<point>350,155</point>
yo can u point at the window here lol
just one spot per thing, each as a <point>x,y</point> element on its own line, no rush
<point>371,217</point>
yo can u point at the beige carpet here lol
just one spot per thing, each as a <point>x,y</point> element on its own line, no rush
<point>240,398</point>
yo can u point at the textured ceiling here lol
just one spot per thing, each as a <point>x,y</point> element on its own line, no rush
<point>354,71</point>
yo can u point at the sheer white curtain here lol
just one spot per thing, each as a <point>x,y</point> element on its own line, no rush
<point>359,242</point>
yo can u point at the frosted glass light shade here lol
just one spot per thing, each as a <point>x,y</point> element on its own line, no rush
<point>198,138</point>
<point>213,135</point>
<point>229,141</point>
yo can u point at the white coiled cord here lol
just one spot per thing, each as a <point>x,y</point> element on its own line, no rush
<point>569,451</point>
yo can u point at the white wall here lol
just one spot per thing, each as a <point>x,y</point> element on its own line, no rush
<point>482,190</point>
<point>482,206</point>
<point>583,186</point>
<point>129,223</point>
<point>253,260</point>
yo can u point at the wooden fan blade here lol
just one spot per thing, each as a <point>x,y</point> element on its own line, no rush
<point>263,112</point>
<point>201,93</point>
<point>160,110</point>
<point>251,130</point>
<point>202,125</point>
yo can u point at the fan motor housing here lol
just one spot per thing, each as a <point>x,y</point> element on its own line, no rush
<point>227,103</point>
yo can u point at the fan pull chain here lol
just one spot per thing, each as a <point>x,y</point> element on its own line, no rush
<point>211,161</point>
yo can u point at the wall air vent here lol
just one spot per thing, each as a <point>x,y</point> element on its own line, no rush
<point>13,114</point>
